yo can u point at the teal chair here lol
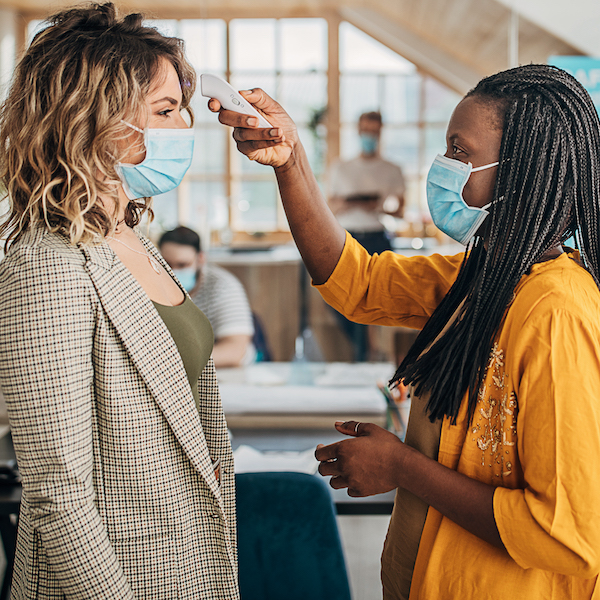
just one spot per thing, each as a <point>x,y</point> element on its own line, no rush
<point>288,540</point>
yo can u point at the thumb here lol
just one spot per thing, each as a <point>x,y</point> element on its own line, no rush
<point>261,100</point>
<point>353,428</point>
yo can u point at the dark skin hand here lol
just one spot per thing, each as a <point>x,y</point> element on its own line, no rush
<point>375,460</point>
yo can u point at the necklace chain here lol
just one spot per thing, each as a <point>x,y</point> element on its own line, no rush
<point>153,262</point>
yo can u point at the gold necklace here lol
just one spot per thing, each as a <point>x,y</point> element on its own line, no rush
<point>153,262</point>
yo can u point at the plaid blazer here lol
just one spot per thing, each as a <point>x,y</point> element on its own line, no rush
<point>120,499</point>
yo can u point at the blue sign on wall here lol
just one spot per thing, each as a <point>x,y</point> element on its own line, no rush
<point>585,69</point>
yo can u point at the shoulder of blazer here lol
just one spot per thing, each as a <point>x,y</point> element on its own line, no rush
<point>39,240</point>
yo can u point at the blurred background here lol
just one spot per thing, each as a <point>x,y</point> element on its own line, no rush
<point>327,62</point>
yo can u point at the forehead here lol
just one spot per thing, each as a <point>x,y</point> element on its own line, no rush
<point>179,252</point>
<point>166,81</point>
<point>476,122</point>
<point>366,123</point>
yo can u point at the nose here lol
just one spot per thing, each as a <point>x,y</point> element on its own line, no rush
<point>180,122</point>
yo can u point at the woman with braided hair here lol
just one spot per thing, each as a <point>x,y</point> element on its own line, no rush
<point>498,494</point>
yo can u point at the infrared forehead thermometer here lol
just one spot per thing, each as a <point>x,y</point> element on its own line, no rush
<point>212,86</point>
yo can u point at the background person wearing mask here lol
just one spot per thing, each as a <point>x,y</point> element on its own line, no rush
<point>216,292</point>
<point>358,188</point>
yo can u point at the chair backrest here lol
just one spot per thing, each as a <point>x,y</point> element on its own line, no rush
<point>288,540</point>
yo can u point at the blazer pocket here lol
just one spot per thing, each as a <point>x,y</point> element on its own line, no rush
<point>151,565</point>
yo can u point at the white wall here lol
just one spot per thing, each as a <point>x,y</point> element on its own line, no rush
<point>577,22</point>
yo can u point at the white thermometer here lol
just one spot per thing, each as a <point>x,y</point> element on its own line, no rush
<point>212,86</point>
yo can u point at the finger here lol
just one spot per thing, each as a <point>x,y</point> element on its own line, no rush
<point>242,134</point>
<point>355,493</point>
<point>349,427</point>
<point>354,428</point>
<point>325,453</point>
<point>249,147</point>
<point>261,100</point>
<point>214,105</point>
<point>338,483</point>
<point>236,119</point>
<point>329,468</point>
<point>323,446</point>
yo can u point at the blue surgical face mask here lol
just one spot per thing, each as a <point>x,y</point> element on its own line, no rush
<point>368,143</point>
<point>450,213</point>
<point>168,157</point>
<point>187,277</point>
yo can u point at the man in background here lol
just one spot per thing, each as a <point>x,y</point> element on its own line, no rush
<point>216,292</point>
<point>363,189</point>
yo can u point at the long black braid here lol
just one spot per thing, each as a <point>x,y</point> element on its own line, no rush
<point>547,190</point>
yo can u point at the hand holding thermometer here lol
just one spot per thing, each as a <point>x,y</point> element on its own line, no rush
<point>212,86</point>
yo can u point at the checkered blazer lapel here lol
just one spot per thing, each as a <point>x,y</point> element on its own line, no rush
<point>149,345</point>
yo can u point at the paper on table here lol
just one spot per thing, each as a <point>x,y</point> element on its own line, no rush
<point>239,398</point>
<point>250,460</point>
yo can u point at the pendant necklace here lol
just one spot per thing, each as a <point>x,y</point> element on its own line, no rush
<point>153,262</point>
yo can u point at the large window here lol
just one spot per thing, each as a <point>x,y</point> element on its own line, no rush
<point>224,193</point>
<point>415,109</point>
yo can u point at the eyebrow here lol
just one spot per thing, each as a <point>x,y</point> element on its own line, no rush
<point>168,99</point>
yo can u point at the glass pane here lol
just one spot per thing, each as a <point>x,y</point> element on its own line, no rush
<point>349,142</point>
<point>435,143</point>
<point>360,52</point>
<point>167,27</point>
<point>439,101</point>
<point>400,145</point>
<point>401,98</point>
<point>303,96</point>
<point>247,81</point>
<point>255,209</point>
<point>208,208</point>
<point>205,44</point>
<point>209,150</point>
<point>303,44</point>
<point>252,44</point>
<point>315,144</point>
<point>358,94</point>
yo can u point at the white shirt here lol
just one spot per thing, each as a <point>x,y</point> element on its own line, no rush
<point>223,300</point>
<point>361,175</point>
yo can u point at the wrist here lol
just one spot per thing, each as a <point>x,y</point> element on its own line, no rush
<point>294,159</point>
<point>404,465</point>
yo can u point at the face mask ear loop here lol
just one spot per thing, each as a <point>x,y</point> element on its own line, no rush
<point>483,167</point>
<point>132,126</point>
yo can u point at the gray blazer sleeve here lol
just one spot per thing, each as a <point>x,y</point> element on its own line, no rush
<point>46,373</point>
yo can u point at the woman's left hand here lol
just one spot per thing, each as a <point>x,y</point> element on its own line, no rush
<point>368,464</point>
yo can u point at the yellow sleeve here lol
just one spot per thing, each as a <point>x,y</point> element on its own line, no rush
<point>554,523</point>
<point>388,289</point>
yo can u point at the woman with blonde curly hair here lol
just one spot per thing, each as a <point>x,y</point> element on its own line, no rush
<point>105,362</point>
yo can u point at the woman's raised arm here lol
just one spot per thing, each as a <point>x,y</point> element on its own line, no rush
<point>316,231</point>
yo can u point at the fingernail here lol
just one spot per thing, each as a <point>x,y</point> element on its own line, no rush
<point>252,122</point>
<point>339,422</point>
<point>274,132</point>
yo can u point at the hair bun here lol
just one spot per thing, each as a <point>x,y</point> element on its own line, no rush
<point>97,17</point>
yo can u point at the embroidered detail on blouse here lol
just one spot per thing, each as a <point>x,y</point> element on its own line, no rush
<point>495,420</point>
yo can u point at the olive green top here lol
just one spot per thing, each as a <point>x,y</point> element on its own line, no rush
<point>193,336</point>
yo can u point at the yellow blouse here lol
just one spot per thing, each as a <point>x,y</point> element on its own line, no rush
<point>535,434</point>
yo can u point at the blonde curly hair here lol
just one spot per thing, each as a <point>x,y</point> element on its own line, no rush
<point>61,125</point>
